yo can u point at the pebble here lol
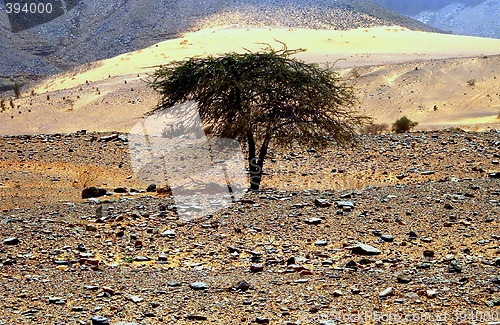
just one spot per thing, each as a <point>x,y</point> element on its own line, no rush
<point>322,203</point>
<point>134,299</point>
<point>198,286</point>
<point>100,320</point>
<point>242,286</point>
<point>387,292</point>
<point>320,243</point>
<point>313,221</point>
<point>403,279</point>
<point>387,238</point>
<point>11,241</point>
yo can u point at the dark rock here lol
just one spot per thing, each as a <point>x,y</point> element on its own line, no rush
<point>322,203</point>
<point>120,190</point>
<point>351,265</point>
<point>424,266</point>
<point>93,191</point>
<point>448,206</point>
<point>496,280</point>
<point>412,235</point>
<point>11,241</point>
<point>256,268</point>
<point>290,261</point>
<point>196,317</point>
<point>151,188</point>
<point>363,249</point>
<point>454,267</point>
<point>428,253</point>
<point>242,286</point>
<point>262,320</point>
<point>495,175</point>
<point>387,238</point>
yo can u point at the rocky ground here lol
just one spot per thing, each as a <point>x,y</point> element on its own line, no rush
<point>400,229</point>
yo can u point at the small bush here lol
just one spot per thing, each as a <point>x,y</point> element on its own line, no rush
<point>17,90</point>
<point>375,129</point>
<point>403,125</point>
<point>471,82</point>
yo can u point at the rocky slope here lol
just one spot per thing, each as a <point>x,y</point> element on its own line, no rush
<point>102,29</point>
<point>417,237</point>
<point>461,19</point>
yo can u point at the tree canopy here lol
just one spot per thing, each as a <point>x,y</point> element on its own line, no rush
<point>263,97</point>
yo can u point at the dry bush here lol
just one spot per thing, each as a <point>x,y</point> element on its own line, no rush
<point>375,129</point>
<point>471,82</point>
<point>85,176</point>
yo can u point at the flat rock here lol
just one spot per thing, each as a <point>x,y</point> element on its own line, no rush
<point>198,286</point>
<point>11,241</point>
<point>363,249</point>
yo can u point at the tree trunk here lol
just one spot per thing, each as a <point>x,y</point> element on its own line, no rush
<point>256,165</point>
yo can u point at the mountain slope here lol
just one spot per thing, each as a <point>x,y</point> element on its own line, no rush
<point>101,29</point>
<point>460,19</point>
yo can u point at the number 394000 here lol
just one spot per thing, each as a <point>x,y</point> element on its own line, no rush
<point>28,8</point>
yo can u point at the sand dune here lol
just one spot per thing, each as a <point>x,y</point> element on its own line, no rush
<point>112,94</point>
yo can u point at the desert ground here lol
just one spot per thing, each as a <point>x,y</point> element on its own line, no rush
<point>398,228</point>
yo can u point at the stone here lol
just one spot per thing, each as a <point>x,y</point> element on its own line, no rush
<point>198,286</point>
<point>168,233</point>
<point>403,279</point>
<point>387,238</point>
<point>363,249</point>
<point>92,192</point>
<point>11,241</point>
<point>313,221</point>
<point>337,293</point>
<point>196,317</point>
<point>256,268</point>
<point>494,175</point>
<point>90,228</point>
<point>454,267</point>
<point>320,243</point>
<point>134,299</point>
<point>163,257</point>
<point>387,292</point>
<point>120,189</point>
<point>262,320</point>
<point>431,293</point>
<point>345,204</point>
<point>322,203</point>
<point>428,253</point>
<point>100,320</point>
<point>151,188</point>
<point>351,265</point>
<point>242,286</point>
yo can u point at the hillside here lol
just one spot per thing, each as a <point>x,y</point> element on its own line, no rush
<point>102,29</point>
<point>465,20</point>
<point>385,58</point>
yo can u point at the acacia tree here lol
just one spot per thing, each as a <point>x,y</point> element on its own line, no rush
<point>262,98</point>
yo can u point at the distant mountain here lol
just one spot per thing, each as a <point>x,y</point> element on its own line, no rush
<point>414,7</point>
<point>98,29</point>
<point>481,20</point>
<point>463,17</point>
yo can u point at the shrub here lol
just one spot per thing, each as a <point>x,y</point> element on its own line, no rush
<point>404,124</point>
<point>17,90</point>
<point>375,128</point>
<point>471,82</point>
